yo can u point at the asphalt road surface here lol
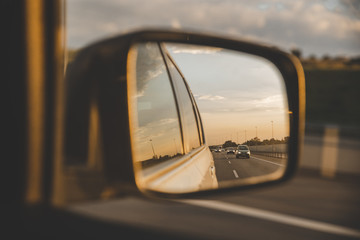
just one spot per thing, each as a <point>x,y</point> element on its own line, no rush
<point>306,207</point>
<point>228,167</point>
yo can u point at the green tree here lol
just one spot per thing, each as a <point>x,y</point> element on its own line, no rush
<point>229,143</point>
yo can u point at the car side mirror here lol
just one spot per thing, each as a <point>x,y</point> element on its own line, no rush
<point>176,114</point>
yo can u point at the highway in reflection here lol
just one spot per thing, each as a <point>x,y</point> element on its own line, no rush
<point>228,167</point>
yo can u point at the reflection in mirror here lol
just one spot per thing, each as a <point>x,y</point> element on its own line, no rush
<point>157,122</point>
<point>204,118</point>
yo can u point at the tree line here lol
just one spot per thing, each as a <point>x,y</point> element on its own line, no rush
<point>253,142</point>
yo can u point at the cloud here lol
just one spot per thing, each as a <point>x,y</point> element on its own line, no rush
<point>109,27</point>
<point>210,97</point>
<point>270,101</point>
<point>175,23</point>
<point>317,27</point>
<point>196,50</point>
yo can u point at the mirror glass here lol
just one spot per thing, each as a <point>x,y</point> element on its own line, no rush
<point>204,118</point>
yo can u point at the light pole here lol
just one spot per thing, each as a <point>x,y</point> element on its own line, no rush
<point>272,135</point>
<point>256,139</point>
<point>153,148</point>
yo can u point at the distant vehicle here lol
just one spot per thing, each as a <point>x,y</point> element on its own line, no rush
<point>230,151</point>
<point>217,150</point>
<point>242,151</point>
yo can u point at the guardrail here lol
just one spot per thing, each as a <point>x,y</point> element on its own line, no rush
<point>271,154</point>
<point>275,150</point>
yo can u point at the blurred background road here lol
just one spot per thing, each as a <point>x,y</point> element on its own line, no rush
<point>315,204</point>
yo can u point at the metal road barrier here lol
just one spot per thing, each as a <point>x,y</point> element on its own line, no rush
<point>273,154</point>
<point>275,150</point>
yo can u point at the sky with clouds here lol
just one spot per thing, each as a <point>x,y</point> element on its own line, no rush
<point>316,27</point>
<point>320,27</point>
<point>235,92</point>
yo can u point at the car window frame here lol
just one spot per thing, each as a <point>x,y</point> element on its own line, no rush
<point>200,133</point>
<point>172,98</point>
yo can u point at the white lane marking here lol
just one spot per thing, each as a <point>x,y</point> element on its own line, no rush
<point>276,217</point>
<point>229,162</point>
<point>268,161</point>
<point>235,173</point>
